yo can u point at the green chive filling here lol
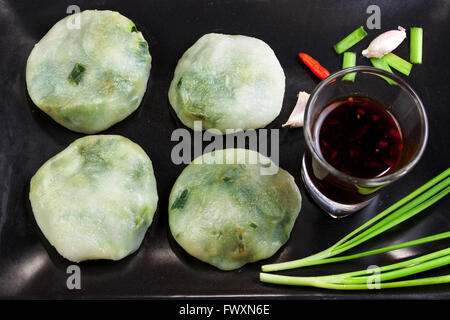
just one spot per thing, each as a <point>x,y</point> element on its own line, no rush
<point>180,201</point>
<point>76,74</point>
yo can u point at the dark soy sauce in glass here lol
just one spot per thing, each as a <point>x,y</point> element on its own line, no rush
<point>359,137</point>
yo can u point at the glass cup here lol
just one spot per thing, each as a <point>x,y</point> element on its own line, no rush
<point>340,194</point>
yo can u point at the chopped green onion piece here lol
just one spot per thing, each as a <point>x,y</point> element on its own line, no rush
<point>134,29</point>
<point>76,74</point>
<point>416,43</point>
<point>348,61</point>
<point>398,63</point>
<point>381,64</point>
<point>350,40</point>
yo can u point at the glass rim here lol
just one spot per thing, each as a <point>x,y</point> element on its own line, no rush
<point>356,180</point>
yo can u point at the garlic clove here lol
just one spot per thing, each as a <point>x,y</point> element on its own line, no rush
<point>385,43</point>
<point>296,118</point>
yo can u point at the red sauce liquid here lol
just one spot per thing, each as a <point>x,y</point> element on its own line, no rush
<point>359,137</point>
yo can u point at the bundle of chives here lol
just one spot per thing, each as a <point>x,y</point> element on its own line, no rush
<point>366,279</point>
<point>412,204</point>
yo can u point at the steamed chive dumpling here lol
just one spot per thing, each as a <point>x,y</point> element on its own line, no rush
<point>95,199</point>
<point>224,211</point>
<point>228,82</point>
<point>91,77</point>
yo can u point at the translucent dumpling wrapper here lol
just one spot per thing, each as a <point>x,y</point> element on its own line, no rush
<point>228,82</point>
<point>96,198</point>
<point>224,211</point>
<point>89,76</point>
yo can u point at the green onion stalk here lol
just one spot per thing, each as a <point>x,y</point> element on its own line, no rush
<point>414,203</point>
<point>349,60</point>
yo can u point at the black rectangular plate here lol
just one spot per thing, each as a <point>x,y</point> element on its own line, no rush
<point>31,268</point>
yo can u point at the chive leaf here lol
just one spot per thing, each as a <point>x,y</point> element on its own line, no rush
<point>349,60</point>
<point>397,205</point>
<point>416,43</point>
<point>76,74</point>
<point>253,225</point>
<point>180,201</point>
<point>398,63</point>
<point>350,40</point>
<point>407,244</point>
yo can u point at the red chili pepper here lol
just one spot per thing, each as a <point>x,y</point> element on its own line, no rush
<point>314,65</point>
